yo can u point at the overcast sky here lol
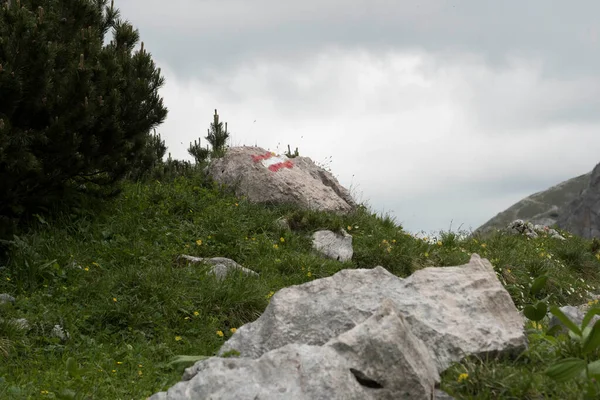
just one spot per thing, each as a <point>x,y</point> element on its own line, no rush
<point>436,112</point>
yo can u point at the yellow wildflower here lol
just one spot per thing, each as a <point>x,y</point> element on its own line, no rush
<point>233,330</point>
<point>196,313</point>
<point>462,377</point>
<point>86,269</point>
<point>115,299</point>
<point>282,240</point>
<point>199,242</point>
<point>309,274</point>
<point>275,246</point>
<point>349,227</point>
<point>177,338</point>
<point>220,333</point>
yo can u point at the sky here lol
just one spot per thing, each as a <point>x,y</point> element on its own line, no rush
<point>438,113</point>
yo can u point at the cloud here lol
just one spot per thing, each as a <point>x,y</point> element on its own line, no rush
<point>193,34</point>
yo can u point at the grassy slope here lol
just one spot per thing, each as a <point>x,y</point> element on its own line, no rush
<point>109,278</point>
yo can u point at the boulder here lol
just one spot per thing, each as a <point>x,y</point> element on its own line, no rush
<point>378,359</point>
<point>581,216</point>
<point>263,177</point>
<point>337,246</point>
<point>364,334</point>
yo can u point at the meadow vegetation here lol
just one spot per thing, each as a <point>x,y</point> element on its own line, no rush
<point>107,275</point>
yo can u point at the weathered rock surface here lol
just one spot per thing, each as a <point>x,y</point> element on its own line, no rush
<point>454,310</point>
<point>337,246</point>
<point>378,359</point>
<point>543,208</point>
<point>266,178</point>
<point>220,266</point>
<point>363,334</point>
<point>581,216</point>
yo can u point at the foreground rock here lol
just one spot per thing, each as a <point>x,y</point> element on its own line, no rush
<point>581,216</point>
<point>263,177</point>
<point>362,334</point>
<point>378,359</point>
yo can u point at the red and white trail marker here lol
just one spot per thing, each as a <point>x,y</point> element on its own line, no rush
<point>273,162</point>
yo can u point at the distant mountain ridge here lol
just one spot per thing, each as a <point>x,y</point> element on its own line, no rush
<point>544,208</point>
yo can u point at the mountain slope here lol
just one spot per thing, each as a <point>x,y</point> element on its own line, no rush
<point>542,207</point>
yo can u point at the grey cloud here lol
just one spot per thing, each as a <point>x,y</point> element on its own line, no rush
<point>195,35</point>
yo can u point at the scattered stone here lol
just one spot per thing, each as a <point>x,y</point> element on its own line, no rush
<point>528,229</point>
<point>266,178</point>
<point>6,298</point>
<point>21,323</point>
<point>221,266</point>
<point>362,334</point>
<point>60,333</point>
<point>337,246</point>
<point>283,224</point>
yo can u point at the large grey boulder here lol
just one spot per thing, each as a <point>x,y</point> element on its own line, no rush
<point>454,310</point>
<point>350,323</point>
<point>581,216</point>
<point>575,314</point>
<point>263,177</point>
<point>378,359</point>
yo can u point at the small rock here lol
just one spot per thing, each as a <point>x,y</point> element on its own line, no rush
<point>6,298</point>
<point>332,245</point>
<point>60,333</point>
<point>221,266</point>
<point>21,323</point>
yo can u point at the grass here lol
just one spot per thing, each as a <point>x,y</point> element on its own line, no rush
<point>108,276</point>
